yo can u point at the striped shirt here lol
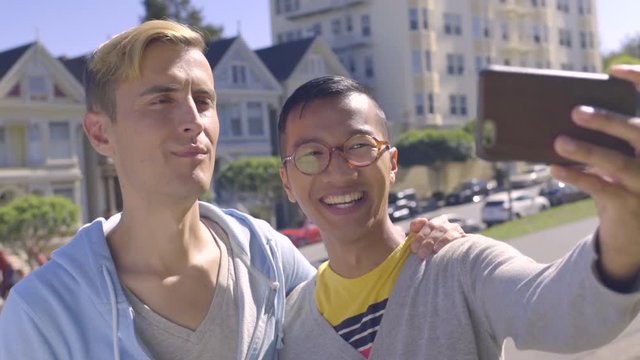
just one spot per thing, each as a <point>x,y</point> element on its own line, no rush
<point>354,307</point>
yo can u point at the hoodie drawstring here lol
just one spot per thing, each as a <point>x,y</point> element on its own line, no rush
<point>114,312</point>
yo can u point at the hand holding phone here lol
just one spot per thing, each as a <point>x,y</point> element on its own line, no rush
<point>521,111</point>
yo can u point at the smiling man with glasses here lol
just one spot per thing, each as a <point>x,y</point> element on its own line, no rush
<point>373,299</point>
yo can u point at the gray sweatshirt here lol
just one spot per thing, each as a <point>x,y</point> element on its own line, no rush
<point>465,301</point>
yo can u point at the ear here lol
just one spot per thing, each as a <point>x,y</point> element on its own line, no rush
<point>96,127</point>
<point>393,158</point>
<point>285,183</point>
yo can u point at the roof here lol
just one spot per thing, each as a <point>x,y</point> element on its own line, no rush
<point>9,57</point>
<point>216,50</point>
<point>76,66</point>
<point>283,58</point>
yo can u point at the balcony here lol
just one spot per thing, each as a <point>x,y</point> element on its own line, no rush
<point>516,9</point>
<point>424,40</point>
<point>320,7</point>
<point>427,82</point>
<point>350,41</point>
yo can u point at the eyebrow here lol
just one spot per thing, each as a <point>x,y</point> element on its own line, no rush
<point>163,89</point>
<point>359,131</point>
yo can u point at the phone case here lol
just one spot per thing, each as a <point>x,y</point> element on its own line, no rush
<point>521,111</point>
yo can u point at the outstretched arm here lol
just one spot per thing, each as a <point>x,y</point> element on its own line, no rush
<point>613,180</point>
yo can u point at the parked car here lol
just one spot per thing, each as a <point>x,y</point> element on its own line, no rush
<point>403,204</point>
<point>559,193</point>
<point>496,207</point>
<point>467,224</point>
<point>472,190</point>
<point>308,233</point>
<point>529,176</point>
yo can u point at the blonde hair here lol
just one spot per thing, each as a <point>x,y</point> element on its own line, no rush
<point>118,59</point>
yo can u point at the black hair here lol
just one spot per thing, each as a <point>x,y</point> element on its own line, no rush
<point>321,88</point>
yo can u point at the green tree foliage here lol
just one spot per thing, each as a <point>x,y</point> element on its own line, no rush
<point>253,179</point>
<point>629,53</point>
<point>434,146</point>
<point>32,220</point>
<point>619,59</point>
<point>181,11</point>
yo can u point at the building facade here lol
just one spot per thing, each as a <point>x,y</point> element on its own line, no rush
<point>41,137</point>
<point>421,58</point>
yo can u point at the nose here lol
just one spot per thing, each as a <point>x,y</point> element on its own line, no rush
<point>190,119</point>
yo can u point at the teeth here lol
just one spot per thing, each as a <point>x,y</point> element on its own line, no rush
<point>341,200</point>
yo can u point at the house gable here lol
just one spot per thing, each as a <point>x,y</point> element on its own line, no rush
<point>236,67</point>
<point>31,74</point>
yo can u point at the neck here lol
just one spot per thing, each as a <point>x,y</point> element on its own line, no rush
<point>355,256</point>
<point>162,238</point>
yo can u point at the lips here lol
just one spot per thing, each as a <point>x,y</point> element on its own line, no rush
<point>342,200</point>
<point>194,151</point>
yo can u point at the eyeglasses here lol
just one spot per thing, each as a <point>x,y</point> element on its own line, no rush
<point>359,150</point>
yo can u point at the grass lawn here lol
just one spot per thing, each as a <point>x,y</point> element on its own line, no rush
<point>553,217</point>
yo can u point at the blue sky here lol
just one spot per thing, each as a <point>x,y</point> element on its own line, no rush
<point>76,27</point>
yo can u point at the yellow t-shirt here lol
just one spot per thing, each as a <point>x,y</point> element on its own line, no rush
<point>354,307</point>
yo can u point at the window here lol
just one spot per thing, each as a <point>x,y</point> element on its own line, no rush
<point>365,23</point>
<point>427,61</point>
<point>583,40</point>
<point>452,24</point>
<point>255,119</point>
<point>348,22</point>
<point>539,34</point>
<point>413,19</point>
<point>59,144</point>
<point>419,104</point>
<point>4,153</point>
<point>425,19</point>
<point>566,66</point>
<point>416,62</point>
<point>66,191</point>
<point>430,104</point>
<point>504,28</point>
<point>458,104</point>
<point>351,65</point>
<point>336,26</point>
<point>38,88</point>
<point>481,27</point>
<point>482,62</point>
<point>455,64</point>
<point>278,5</point>
<point>368,67</point>
<point>564,37</point>
<point>34,145</point>
<point>584,7</point>
<point>563,6</point>
<point>230,117</point>
<point>239,74</point>
<point>453,104</point>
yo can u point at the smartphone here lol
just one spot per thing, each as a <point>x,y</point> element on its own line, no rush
<point>521,111</point>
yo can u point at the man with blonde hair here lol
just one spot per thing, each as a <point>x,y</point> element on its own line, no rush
<point>169,277</point>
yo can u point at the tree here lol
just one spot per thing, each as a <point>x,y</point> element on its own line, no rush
<point>181,11</point>
<point>253,179</point>
<point>619,59</point>
<point>435,147</point>
<point>30,221</point>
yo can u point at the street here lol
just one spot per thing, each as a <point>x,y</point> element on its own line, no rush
<point>544,246</point>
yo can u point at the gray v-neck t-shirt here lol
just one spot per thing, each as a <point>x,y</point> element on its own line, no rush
<point>217,335</point>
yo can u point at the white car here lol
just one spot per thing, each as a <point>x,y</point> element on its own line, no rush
<point>496,207</point>
<point>529,176</point>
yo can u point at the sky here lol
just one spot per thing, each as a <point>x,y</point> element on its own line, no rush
<point>76,27</point>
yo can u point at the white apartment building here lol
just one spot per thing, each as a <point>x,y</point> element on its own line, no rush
<point>421,58</point>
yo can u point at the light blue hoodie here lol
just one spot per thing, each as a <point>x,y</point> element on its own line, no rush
<point>74,307</point>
